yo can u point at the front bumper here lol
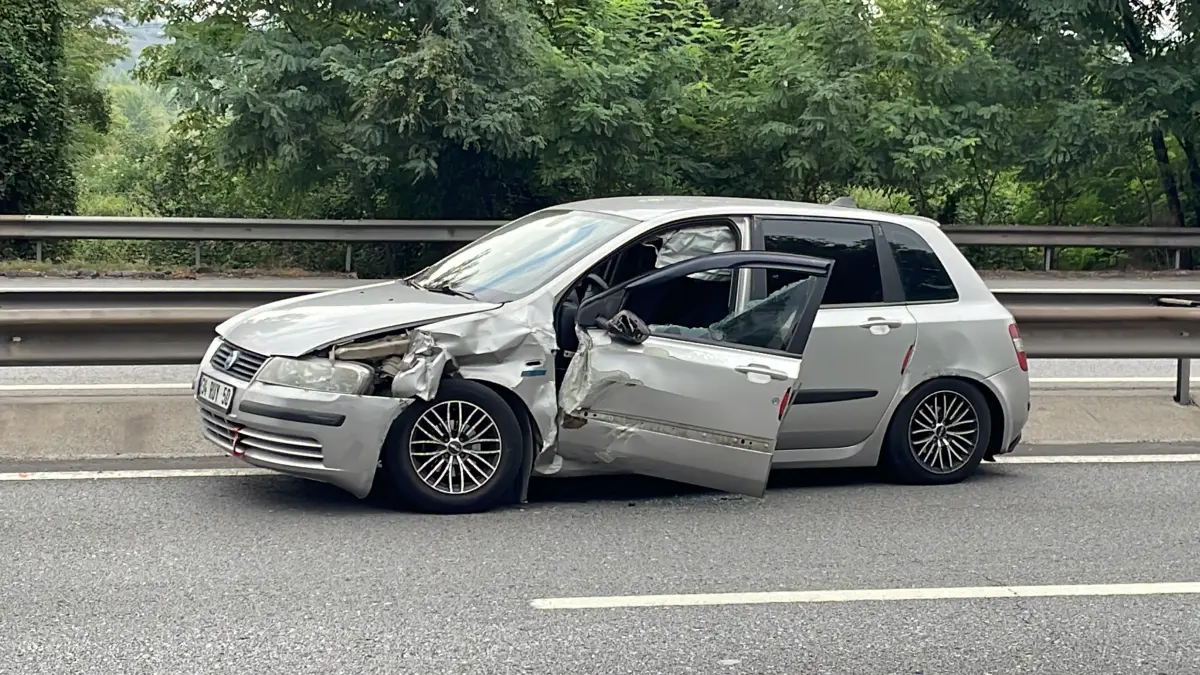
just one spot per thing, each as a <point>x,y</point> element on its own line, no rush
<point>332,438</point>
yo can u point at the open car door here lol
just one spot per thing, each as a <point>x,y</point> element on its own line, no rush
<point>695,405</point>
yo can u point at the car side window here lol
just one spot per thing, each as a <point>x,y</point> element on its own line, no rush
<point>922,274</point>
<point>696,300</point>
<point>856,276</point>
<point>765,324</point>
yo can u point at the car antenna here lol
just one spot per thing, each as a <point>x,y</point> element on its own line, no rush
<point>845,202</point>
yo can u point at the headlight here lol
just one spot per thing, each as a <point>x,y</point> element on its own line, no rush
<point>338,377</point>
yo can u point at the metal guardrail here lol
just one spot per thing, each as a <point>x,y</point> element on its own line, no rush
<point>241,229</point>
<point>137,326</point>
<point>1051,238</point>
<point>40,228</point>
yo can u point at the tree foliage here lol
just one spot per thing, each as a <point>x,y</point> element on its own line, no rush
<point>969,111</point>
<point>35,172</point>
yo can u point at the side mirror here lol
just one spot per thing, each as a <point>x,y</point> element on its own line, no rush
<point>597,307</point>
<point>625,327</point>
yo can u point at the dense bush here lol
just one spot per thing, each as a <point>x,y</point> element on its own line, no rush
<point>1012,111</point>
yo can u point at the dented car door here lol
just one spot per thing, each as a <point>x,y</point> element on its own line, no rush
<point>696,405</point>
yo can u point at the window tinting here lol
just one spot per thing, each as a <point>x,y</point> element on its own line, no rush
<point>851,246</point>
<point>921,272</point>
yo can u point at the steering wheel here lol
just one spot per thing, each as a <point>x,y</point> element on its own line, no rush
<point>597,281</point>
<point>565,321</point>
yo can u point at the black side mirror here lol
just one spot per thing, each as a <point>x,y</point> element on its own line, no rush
<point>606,304</point>
<point>625,326</point>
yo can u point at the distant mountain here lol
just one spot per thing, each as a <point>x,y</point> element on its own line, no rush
<point>140,37</point>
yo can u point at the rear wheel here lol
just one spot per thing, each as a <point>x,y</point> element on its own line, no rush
<point>938,434</point>
<point>459,453</point>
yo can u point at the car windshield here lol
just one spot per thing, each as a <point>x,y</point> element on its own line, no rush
<point>522,255</point>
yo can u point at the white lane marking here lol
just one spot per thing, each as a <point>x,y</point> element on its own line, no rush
<point>867,595</point>
<point>1098,459</point>
<point>1112,290</point>
<point>249,471</point>
<point>156,386</point>
<point>133,473</point>
<point>1102,380</point>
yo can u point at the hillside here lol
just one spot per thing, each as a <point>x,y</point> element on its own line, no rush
<point>140,37</point>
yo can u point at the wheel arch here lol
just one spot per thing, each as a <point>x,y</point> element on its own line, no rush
<point>529,431</point>
<point>995,409</point>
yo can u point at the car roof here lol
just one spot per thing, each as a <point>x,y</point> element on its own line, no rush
<point>643,208</point>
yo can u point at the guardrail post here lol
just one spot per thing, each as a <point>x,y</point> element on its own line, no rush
<point>197,254</point>
<point>38,245</point>
<point>1183,381</point>
<point>1048,257</point>
<point>349,255</point>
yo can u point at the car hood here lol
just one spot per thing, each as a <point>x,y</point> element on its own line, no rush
<point>296,326</point>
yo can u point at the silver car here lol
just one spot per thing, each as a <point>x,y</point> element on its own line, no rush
<point>703,340</point>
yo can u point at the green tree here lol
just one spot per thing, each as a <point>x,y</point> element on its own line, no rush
<point>121,172</point>
<point>1142,58</point>
<point>630,99</point>
<point>417,109</point>
<point>35,171</point>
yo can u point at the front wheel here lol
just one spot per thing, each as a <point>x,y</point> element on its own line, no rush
<point>459,453</point>
<point>938,434</point>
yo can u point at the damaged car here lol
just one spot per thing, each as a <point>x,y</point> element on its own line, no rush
<point>698,339</point>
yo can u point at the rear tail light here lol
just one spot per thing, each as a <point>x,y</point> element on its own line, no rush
<point>1019,346</point>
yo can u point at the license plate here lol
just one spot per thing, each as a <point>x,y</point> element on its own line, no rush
<point>215,393</point>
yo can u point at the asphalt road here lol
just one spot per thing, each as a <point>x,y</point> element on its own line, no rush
<point>1039,369</point>
<point>270,574</point>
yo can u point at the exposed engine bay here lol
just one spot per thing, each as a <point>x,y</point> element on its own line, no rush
<point>406,365</point>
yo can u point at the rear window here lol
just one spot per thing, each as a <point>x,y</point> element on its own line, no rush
<point>851,246</point>
<point>922,274</point>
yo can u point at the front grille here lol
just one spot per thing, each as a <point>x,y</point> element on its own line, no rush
<point>256,441</point>
<point>245,363</point>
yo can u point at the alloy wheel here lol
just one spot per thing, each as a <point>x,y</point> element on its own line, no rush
<point>943,431</point>
<point>455,447</point>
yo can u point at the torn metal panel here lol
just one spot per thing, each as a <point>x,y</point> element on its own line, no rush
<point>583,383</point>
<point>392,345</point>
<point>674,409</point>
<point>419,371</point>
<point>513,347</point>
<point>693,242</point>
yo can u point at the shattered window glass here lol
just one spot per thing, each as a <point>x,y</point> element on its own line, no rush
<point>766,323</point>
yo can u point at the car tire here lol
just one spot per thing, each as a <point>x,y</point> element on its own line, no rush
<point>423,469</point>
<point>951,410</point>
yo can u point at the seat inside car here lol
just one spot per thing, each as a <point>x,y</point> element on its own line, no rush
<point>688,301</point>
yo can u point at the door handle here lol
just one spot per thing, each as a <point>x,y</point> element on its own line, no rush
<point>879,321</point>
<point>759,369</point>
